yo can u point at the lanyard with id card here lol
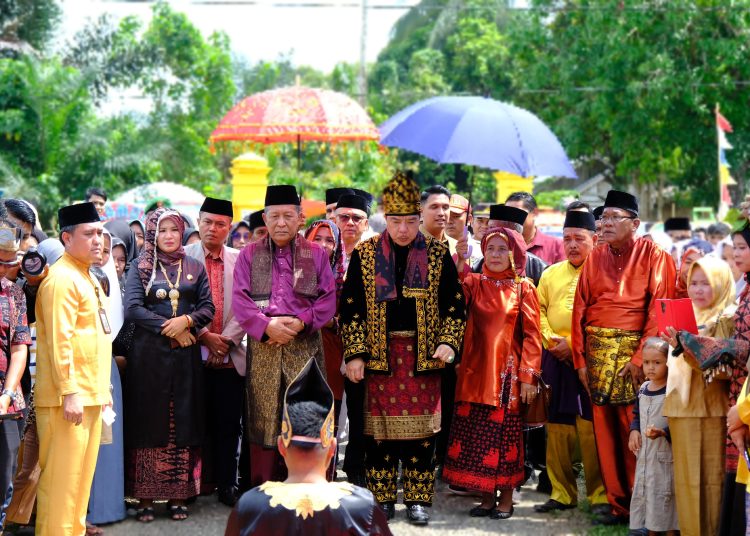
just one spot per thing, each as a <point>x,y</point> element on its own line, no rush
<point>102,313</point>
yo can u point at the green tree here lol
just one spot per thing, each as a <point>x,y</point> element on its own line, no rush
<point>634,85</point>
<point>27,25</point>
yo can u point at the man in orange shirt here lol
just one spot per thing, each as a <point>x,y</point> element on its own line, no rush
<point>613,314</point>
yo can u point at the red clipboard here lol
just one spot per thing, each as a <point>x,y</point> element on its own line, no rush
<point>678,314</point>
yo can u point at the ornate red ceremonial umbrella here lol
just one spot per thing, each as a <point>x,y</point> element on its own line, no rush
<point>296,114</point>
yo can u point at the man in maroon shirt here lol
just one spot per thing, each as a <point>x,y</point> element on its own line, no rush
<point>546,247</point>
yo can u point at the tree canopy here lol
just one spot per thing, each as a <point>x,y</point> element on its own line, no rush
<point>629,88</point>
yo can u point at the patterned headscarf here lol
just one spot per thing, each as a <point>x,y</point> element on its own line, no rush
<point>517,253</point>
<point>338,259</point>
<point>150,254</point>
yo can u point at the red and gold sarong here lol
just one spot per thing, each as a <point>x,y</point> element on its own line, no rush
<point>401,405</point>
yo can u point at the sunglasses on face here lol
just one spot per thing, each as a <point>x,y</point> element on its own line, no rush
<point>344,218</point>
<point>241,236</point>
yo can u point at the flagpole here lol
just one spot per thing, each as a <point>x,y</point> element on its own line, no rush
<point>718,157</point>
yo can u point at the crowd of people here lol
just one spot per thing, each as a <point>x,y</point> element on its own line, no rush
<point>175,359</point>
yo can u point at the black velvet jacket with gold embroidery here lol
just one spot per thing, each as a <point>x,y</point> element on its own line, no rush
<point>438,318</point>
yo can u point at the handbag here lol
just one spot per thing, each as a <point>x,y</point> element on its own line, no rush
<point>535,414</point>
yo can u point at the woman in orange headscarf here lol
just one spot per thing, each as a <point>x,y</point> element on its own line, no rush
<point>498,371</point>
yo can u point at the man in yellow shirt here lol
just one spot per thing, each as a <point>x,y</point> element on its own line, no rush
<point>74,352</point>
<point>570,407</point>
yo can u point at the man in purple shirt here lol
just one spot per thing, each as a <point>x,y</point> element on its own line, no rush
<point>546,247</point>
<point>284,292</point>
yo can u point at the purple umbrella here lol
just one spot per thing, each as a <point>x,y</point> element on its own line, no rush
<point>480,132</point>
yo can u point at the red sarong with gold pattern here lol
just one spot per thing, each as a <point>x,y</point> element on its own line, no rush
<point>402,405</point>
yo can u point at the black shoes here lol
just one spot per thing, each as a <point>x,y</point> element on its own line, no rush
<point>610,519</point>
<point>389,509</point>
<point>503,515</point>
<point>228,496</point>
<point>551,505</point>
<point>417,514</point>
<point>478,511</point>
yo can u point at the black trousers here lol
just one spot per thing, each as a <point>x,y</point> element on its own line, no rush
<point>10,440</point>
<point>732,521</point>
<point>447,399</point>
<point>225,395</point>
<point>417,457</point>
<point>354,461</point>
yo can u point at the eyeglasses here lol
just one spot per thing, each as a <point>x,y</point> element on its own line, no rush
<point>615,219</point>
<point>241,236</point>
<point>344,218</point>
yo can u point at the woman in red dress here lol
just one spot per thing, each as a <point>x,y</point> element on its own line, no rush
<point>499,368</point>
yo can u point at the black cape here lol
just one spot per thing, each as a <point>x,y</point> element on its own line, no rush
<point>329,509</point>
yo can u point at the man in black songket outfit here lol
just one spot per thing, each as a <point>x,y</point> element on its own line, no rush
<point>402,318</point>
<point>305,503</point>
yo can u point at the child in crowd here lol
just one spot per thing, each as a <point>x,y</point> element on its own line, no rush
<point>653,504</point>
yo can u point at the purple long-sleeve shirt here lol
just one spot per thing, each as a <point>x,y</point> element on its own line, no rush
<point>314,312</point>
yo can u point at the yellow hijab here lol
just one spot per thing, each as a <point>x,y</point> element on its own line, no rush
<point>720,278</point>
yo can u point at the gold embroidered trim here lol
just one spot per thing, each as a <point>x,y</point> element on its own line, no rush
<point>371,336</point>
<point>306,499</point>
<point>402,427</point>
<point>419,486</point>
<point>382,484</point>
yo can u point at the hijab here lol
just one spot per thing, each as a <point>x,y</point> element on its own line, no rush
<point>52,249</point>
<point>120,229</point>
<point>516,252</point>
<point>151,255</point>
<point>720,278</point>
<point>187,233</point>
<point>241,223</point>
<point>116,312</point>
<point>338,259</point>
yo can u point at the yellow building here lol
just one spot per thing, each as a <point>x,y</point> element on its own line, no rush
<point>249,181</point>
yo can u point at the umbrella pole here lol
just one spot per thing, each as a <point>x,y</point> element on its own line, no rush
<point>472,172</point>
<point>299,151</point>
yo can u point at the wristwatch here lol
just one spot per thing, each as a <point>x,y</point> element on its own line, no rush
<point>10,394</point>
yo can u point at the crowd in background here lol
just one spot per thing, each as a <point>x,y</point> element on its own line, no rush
<point>438,325</point>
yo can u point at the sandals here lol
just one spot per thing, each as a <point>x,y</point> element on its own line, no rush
<point>93,530</point>
<point>503,515</point>
<point>145,515</point>
<point>178,512</point>
<point>478,511</point>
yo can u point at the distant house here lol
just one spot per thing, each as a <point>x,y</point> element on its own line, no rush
<point>594,190</point>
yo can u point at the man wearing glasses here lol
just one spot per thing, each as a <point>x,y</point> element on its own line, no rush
<point>351,219</point>
<point>15,339</point>
<point>613,314</point>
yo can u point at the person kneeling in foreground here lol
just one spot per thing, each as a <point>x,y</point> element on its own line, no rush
<point>305,503</point>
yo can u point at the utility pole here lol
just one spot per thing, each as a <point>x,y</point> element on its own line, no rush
<point>362,82</point>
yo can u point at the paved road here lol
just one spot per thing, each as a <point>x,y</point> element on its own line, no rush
<point>449,516</point>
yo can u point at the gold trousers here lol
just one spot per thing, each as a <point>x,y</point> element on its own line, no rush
<point>67,457</point>
<point>698,453</point>
<point>561,447</point>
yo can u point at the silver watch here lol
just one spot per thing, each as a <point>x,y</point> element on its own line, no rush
<point>11,394</point>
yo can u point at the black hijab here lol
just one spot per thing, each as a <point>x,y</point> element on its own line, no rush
<point>120,228</point>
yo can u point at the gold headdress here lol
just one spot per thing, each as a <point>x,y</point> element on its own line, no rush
<point>401,195</point>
